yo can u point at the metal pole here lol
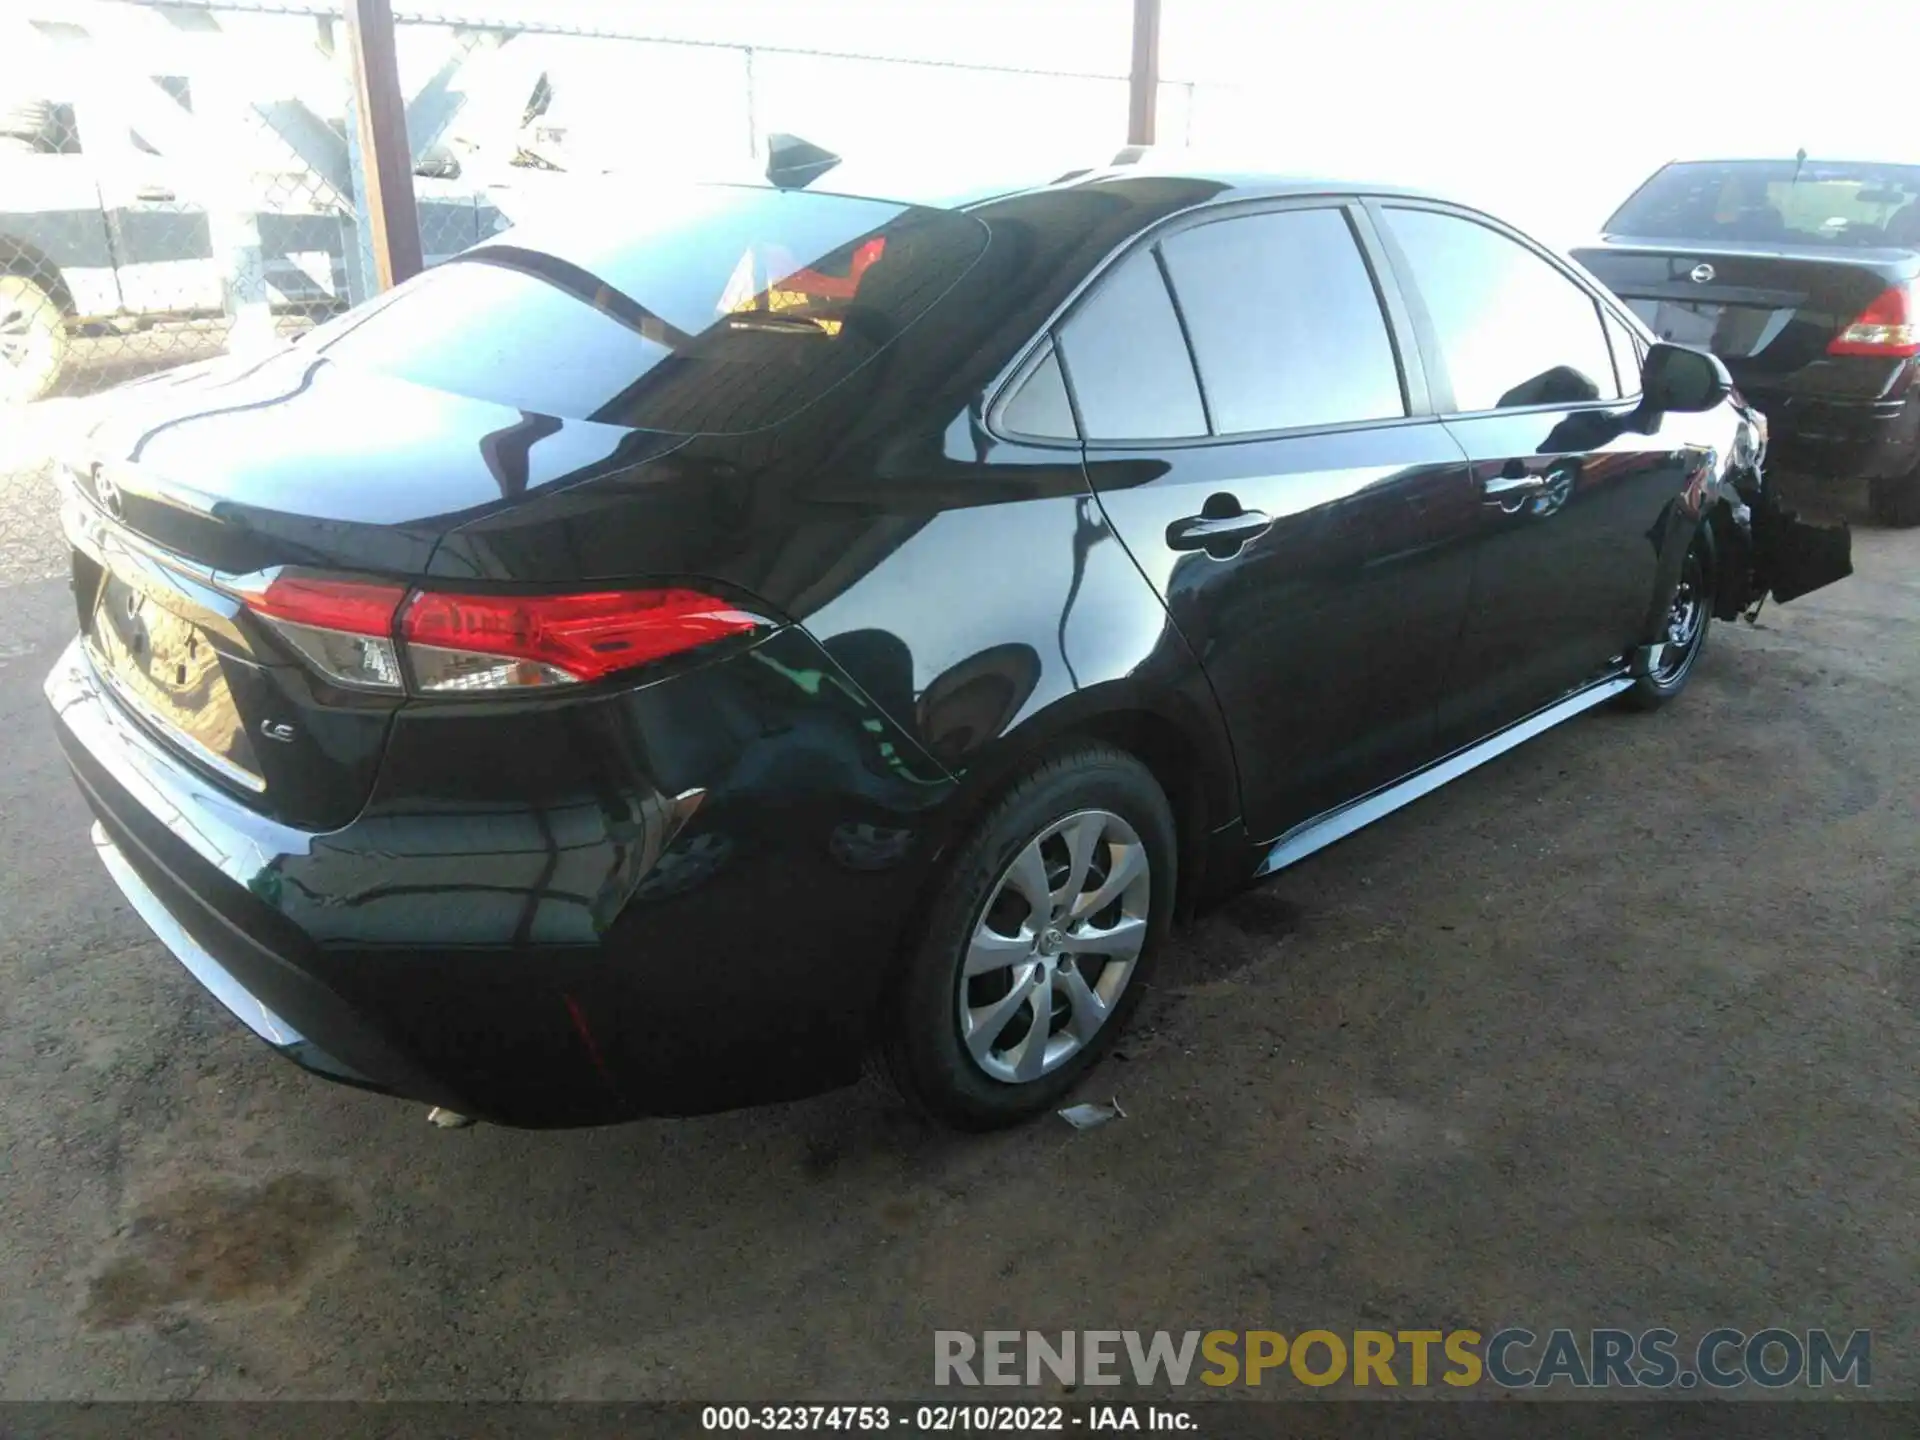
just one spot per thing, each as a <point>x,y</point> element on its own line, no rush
<point>753,108</point>
<point>1143,84</point>
<point>384,181</point>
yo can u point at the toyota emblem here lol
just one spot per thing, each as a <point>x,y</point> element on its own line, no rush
<point>1700,274</point>
<point>109,494</point>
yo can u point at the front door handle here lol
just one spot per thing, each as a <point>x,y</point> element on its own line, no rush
<point>1220,535</point>
<point>154,193</point>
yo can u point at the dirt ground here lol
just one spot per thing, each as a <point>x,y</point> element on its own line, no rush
<point>1618,1030</point>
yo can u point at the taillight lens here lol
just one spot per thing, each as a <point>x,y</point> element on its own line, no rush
<point>507,642</point>
<point>1886,328</point>
<point>343,627</point>
<point>355,632</point>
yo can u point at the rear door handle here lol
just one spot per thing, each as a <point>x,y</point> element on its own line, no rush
<point>1512,484</point>
<point>1219,535</point>
<point>1499,487</point>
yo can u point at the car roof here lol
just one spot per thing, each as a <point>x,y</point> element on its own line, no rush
<point>1229,181</point>
<point>1770,158</point>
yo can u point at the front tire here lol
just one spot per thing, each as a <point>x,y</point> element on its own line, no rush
<point>1038,943</point>
<point>33,340</point>
<point>1683,631</point>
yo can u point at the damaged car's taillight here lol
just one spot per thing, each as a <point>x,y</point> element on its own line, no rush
<point>370,635</point>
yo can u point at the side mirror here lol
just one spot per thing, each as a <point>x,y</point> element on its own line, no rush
<point>1676,378</point>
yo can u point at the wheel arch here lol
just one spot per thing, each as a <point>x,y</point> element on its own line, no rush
<point>21,257</point>
<point>1182,744</point>
<point>1180,740</point>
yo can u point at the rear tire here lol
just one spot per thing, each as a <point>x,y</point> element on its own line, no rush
<point>1684,631</point>
<point>1895,501</point>
<point>1007,1001</point>
<point>33,340</point>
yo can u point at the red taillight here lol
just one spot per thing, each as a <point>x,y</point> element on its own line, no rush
<point>348,630</point>
<point>1886,328</point>
<point>494,642</point>
<point>343,627</point>
<point>360,607</point>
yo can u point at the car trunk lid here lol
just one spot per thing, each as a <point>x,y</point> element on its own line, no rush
<point>185,659</point>
<point>1769,312</point>
<point>185,495</point>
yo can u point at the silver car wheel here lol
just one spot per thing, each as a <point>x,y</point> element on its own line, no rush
<point>1054,946</point>
<point>16,331</point>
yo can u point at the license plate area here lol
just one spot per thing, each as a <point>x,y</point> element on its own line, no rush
<point>1733,332</point>
<point>167,671</point>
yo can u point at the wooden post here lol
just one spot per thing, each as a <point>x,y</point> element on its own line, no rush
<point>1143,85</point>
<point>385,180</point>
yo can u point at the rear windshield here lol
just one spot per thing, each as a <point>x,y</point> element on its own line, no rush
<point>712,309</point>
<point>1812,202</point>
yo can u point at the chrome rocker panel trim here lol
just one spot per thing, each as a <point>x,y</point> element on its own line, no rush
<point>1321,831</point>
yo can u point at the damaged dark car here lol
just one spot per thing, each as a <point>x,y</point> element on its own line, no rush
<point>681,655</point>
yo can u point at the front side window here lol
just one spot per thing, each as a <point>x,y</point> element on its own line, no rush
<point>1127,360</point>
<point>1286,326</point>
<point>1627,353</point>
<point>1512,329</point>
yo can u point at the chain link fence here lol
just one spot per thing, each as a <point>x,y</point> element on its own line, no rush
<point>174,183</point>
<point>178,180</point>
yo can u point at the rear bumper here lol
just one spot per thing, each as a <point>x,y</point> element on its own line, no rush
<point>488,938</point>
<point>187,860</point>
<point>220,982</point>
<point>1827,438</point>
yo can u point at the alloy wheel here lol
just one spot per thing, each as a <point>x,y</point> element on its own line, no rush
<point>16,332</point>
<point>1054,946</point>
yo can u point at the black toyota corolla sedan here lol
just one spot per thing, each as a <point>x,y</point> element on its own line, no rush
<point>669,656</point>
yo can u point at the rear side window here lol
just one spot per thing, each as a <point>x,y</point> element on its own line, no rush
<point>1513,330</point>
<point>716,309</point>
<point>1040,406</point>
<point>1286,325</point>
<point>1128,361</point>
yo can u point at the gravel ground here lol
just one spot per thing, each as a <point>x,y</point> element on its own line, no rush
<point>1619,1029</point>
<point>30,544</point>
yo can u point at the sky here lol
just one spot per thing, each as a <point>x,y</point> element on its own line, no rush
<point>1550,111</point>
<point>1547,112</point>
